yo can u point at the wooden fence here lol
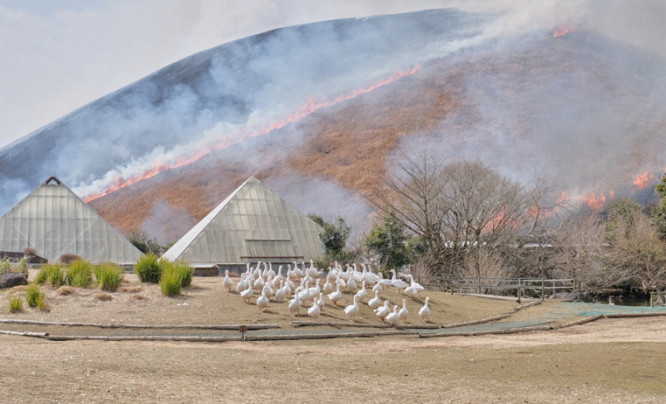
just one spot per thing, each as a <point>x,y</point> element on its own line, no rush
<point>503,286</point>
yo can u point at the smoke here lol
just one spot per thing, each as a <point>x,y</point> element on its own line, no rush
<point>165,231</point>
<point>221,95</point>
<point>582,111</point>
<point>323,198</point>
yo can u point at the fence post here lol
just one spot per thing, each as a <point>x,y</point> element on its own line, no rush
<point>543,289</point>
<point>652,299</point>
<point>519,289</point>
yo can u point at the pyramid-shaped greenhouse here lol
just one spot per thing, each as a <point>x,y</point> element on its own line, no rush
<point>53,221</point>
<point>252,224</point>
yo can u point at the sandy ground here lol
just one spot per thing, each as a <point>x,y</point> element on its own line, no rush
<point>619,360</point>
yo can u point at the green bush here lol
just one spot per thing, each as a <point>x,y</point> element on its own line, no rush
<point>109,276</point>
<point>170,283</point>
<point>15,304</point>
<point>51,273</point>
<point>148,269</point>
<point>34,296</point>
<point>79,274</point>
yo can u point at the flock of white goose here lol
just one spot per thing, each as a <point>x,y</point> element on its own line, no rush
<point>273,286</point>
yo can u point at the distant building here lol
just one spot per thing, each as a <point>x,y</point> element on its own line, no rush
<point>53,221</point>
<point>252,224</point>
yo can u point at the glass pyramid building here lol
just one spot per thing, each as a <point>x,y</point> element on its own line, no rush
<point>252,224</point>
<point>53,221</point>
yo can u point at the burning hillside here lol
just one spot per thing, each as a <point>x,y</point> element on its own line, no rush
<point>320,112</point>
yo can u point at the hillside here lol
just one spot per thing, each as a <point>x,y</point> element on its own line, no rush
<point>321,120</point>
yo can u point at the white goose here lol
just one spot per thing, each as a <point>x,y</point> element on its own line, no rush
<point>262,301</point>
<point>397,283</point>
<point>294,305</point>
<point>314,311</point>
<point>393,317</point>
<point>320,302</point>
<point>411,291</point>
<point>259,283</point>
<point>281,292</point>
<point>353,310</point>
<point>383,311</point>
<point>378,288</point>
<point>351,285</point>
<point>403,312</point>
<point>362,293</point>
<point>227,283</point>
<point>247,293</point>
<point>375,301</point>
<point>328,286</point>
<point>424,312</point>
<point>335,296</point>
<point>242,283</point>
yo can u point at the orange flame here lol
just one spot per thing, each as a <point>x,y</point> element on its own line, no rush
<point>562,30</point>
<point>643,180</point>
<point>304,110</point>
<point>561,199</point>
<point>594,202</point>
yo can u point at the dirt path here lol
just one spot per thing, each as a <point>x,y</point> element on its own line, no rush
<point>608,360</point>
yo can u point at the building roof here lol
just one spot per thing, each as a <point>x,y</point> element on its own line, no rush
<point>53,221</point>
<point>252,224</point>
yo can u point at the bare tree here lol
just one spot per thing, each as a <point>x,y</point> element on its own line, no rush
<point>415,196</point>
<point>578,250</point>
<point>457,209</point>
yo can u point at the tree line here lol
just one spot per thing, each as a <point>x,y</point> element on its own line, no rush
<point>464,219</point>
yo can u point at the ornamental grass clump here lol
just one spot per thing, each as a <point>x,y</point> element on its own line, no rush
<point>148,269</point>
<point>15,304</point>
<point>183,269</point>
<point>51,273</point>
<point>5,267</point>
<point>79,273</point>
<point>186,272</point>
<point>170,283</point>
<point>35,297</point>
<point>109,276</point>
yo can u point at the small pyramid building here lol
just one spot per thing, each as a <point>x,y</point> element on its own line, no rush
<point>53,221</point>
<point>252,224</point>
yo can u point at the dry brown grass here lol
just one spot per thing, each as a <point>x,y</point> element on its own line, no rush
<point>130,289</point>
<point>104,297</point>
<point>138,297</point>
<point>348,144</point>
<point>65,291</point>
<point>604,361</point>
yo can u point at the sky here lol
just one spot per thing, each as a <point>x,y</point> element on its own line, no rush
<point>59,55</point>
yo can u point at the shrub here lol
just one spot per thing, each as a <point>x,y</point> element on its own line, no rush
<point>170,283</point>
<point>51,273</point>
<point>148,269</point>
<point>185,271</point>
<point>15,304</point>
<point>67,259</point>
<point>109,276</point>
<point>5,267</point>
<point>34,296</point>
<point>80,273</point>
